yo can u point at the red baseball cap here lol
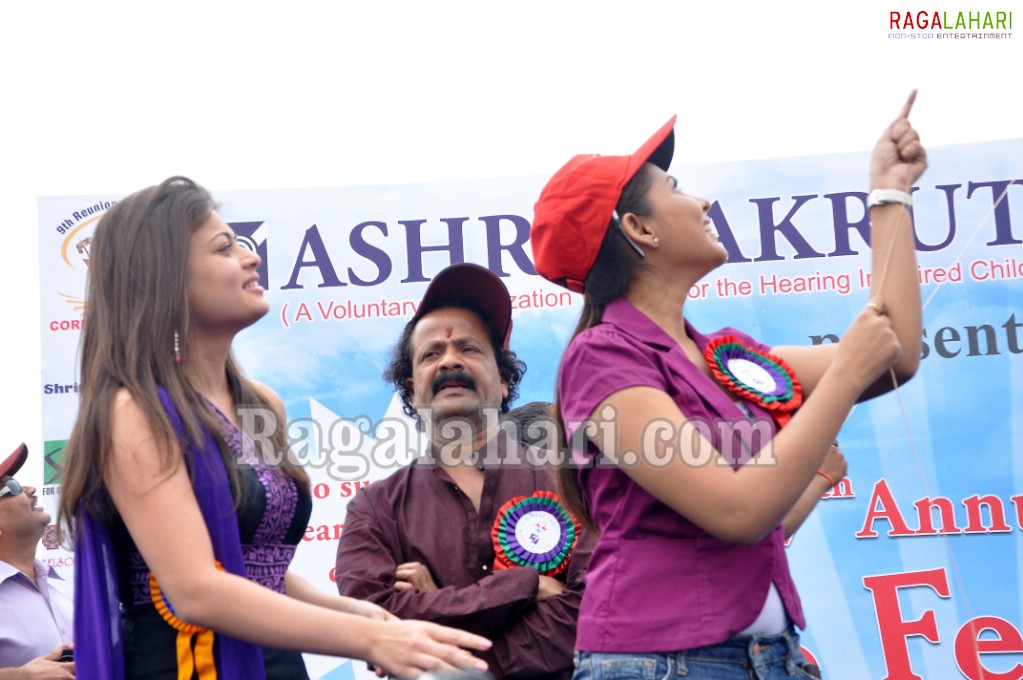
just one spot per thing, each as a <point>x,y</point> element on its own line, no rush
<point>574,210</point>
<point>12,463</point>
<point>467,282</point>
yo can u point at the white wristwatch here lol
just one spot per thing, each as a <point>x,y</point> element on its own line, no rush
<point>883,196</point>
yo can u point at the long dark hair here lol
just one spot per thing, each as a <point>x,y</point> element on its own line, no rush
<point>136,302</point>
<point>613,271</point>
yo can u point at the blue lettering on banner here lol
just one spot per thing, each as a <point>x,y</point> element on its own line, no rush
<point>780,227</point>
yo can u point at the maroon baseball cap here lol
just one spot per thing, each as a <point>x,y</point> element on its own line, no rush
<point>574,210</point>
<point>13,462</point>
<point>467,282</point>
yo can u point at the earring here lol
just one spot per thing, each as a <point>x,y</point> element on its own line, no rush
<point>657,241</point>
<point>177,349</point>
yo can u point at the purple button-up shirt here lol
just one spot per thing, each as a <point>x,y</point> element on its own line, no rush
<point>656,581</point>
<point>34,617</point>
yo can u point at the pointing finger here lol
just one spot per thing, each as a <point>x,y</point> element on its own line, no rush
<point>907,107</point>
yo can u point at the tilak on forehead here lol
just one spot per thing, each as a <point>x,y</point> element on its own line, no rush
<point>480,288</point>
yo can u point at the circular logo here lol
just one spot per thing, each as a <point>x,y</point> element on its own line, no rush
<point>752,374</point>
<point>538,531</point>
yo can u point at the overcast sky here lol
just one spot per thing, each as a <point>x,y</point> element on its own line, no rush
<point>108,97</point>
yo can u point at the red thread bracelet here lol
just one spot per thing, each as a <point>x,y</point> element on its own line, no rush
<point>825,476</point>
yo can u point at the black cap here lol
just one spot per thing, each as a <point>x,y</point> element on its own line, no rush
<point>474,284</point>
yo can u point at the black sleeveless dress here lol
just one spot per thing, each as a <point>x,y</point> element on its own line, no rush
<point>271,521</point>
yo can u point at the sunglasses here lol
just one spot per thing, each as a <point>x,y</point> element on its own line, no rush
<point>10,488</point>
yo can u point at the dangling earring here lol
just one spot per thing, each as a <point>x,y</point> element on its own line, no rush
<point>177,349</point>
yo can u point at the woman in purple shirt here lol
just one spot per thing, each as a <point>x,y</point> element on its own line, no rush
<point>688,448</point>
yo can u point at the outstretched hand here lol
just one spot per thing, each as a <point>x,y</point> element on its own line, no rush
<point>409,648</point>
<point>899,158</point>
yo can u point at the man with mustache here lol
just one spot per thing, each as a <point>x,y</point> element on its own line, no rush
<point>422,543</point>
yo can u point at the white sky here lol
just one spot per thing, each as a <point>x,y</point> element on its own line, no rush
<point>108,97</point>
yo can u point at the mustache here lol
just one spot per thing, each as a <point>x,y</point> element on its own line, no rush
<point>460,378</point>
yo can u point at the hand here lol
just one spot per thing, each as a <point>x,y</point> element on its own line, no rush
<point>549,587</point>
<point>350,605</point>
<point>413,575</point>
<point>899,159</point>
<point>868,347</point>
<point>835,464</point>
<point>48,668</point>
<point>407,649</point>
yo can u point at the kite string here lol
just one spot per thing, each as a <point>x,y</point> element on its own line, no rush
<point>956,573</point>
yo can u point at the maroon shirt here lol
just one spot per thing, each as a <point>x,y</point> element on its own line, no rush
<point>419,515</point>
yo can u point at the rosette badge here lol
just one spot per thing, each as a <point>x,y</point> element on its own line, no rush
<point>534,531</point>
<point>194,643</point>
<point>755,375</point>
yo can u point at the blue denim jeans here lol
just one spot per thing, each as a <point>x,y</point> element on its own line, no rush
<point>739,658</point>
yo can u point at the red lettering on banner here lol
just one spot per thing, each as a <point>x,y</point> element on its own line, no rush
<point>945,511</point>
<point>996,510</point>
<point>1018,502</point>
<point>323,532</point>
<point>349,489</point>
<point>969,647</point>
<point>66,325</point>
<point>969,644</point>
<point>883,506</point>
<point>889,510</point>
<point>843,489</point>
<point>893,628</point>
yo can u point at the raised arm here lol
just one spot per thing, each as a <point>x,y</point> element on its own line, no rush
<point>741,505</point>
<point>160,510</point>
<point>898,161</point>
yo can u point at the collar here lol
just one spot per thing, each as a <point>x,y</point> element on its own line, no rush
<point>630,321</point>
<point>499,441</point>
<point>8,570</point>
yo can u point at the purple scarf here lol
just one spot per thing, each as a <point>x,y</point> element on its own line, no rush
<point>99,651</point>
